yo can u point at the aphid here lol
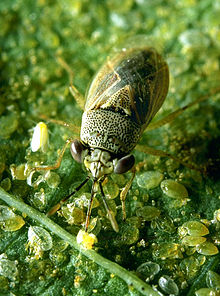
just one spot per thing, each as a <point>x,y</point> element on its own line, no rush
<point>174,189</point>
<point>148,270</point>
<point>168,285</point>
<point>124,96</point>
<point>193,228</point>
<point>9,221</point>
<point>39,240</point>
<point>207,249</point>
<point>193,241</point>
<point>8,268</point>
<point>212,279</point>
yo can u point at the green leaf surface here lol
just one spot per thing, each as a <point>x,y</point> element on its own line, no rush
<point>37,38</point>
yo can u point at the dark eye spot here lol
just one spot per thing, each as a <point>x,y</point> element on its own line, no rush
<point>124,164</point>
<point>76,149</point>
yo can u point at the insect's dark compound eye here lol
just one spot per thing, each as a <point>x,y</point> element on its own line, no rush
<point>124,164</point>
<point>76,149</point>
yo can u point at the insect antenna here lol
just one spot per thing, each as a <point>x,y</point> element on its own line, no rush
<point>111,215</point>
<point>59,204</point>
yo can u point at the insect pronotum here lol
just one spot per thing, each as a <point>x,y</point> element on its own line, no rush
<point>124,96</point>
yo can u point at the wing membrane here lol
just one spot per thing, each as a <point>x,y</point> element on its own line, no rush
<point>135,82</point>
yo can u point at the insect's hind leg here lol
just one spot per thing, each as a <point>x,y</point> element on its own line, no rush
<point>76,94</point>
<point>73,90</point>
<point>170,117</point>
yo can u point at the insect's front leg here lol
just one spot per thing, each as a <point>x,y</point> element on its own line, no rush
<point>56,165</point>
<point>125,190</point>
<point>110,213</point>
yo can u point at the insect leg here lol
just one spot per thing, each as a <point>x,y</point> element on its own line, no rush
<point>71,126</point>
<point>59,204</point>
<point>49,167</point>
<point>171,116</point>
<point>77,96</point>
<point>73,90</point>
<point>111,215</point>
<point>125,190</point>
<point>152,151</point>
<point>90,207</point>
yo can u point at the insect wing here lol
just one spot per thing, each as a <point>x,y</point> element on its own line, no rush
<point>134,82</point>
<point>99,90</point>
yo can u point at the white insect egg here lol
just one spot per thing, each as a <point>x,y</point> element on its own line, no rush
<point>40,137</point>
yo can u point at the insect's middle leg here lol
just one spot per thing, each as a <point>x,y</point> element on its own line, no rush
<point>73,127</point>
<point>155,152</point>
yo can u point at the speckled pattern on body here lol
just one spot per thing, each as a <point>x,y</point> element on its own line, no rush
<point>110,131</point>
